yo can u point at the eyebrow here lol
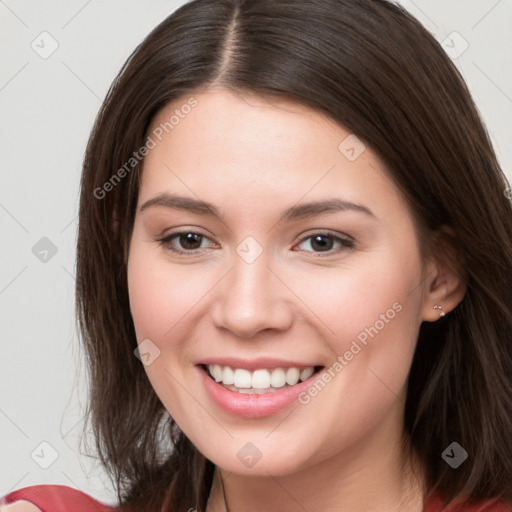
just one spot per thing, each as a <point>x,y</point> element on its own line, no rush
<point>298,211</point>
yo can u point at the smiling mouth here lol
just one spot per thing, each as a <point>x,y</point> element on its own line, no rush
<point>259,381</point>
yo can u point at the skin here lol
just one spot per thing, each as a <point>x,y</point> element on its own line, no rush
<point>253,158</point>
<point>20,506</point>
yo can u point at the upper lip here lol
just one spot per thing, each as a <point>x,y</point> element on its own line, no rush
<point>255,364</point>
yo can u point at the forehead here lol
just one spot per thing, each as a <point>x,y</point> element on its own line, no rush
<point>252,122</point>
<point>257,149</point>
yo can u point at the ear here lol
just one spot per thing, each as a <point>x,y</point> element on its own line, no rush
<point>445,284</point>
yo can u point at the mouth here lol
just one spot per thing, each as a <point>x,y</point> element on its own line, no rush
<point>259,381</point>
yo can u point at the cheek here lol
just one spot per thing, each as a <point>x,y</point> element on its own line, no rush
<point>370,312</point>
<point>372,294</point>
<point>161,294</point>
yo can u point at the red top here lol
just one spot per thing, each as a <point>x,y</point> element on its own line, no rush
<point>57,498</point>
<point>60,498</point>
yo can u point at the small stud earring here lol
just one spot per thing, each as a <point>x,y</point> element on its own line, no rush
<point>442,312</point>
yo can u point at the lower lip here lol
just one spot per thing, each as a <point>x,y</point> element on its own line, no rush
<point>252,406</point>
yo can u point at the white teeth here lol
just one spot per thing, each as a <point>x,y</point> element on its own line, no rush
<point>247,391</point>
<point>251,391</point>
<point>292,376</point>
<point>242,378</point>
<point>258,381</point>
<point>278,378</point>
<point>228,375</point>
<point>217,372</point>
<point>306,373</point>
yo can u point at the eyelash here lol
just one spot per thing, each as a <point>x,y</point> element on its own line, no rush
<point>345,243</point>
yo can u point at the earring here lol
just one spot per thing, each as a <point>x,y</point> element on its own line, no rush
<point>442,312</point>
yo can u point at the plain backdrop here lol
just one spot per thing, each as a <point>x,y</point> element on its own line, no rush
<point>57,60</point>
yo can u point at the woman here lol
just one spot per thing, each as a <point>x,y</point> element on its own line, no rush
<point>294,270</point>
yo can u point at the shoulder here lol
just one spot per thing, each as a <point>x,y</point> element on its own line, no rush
<point>435,504</point>
<point>51,498</point>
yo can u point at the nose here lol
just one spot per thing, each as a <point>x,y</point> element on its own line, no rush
<point>251,299</point>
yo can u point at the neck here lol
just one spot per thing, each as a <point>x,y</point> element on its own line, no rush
<point>372,475</point>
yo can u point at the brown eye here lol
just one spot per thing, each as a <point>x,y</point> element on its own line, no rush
<point>322,242</point>
<point>189,241</point>
<point>183,242</point>
<point>325,243</point>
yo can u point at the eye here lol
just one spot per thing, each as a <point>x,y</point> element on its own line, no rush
<point>324,242</point>
<point>189,242</point>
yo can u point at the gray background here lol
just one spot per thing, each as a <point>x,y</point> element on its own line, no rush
<point>47,109</point>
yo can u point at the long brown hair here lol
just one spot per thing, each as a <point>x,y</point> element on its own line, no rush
<point>373,68</point>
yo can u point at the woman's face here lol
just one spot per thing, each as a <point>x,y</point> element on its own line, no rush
<point>304,256</point>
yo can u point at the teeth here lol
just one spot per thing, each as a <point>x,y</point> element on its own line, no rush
<point>278,378</point>
<point>292,376</point>
<point>216,373</point>
<point>251,391</point>
<point>242,378</point>
<point>258,381</point>
<point>306,373</point>
<point>228,375</point>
